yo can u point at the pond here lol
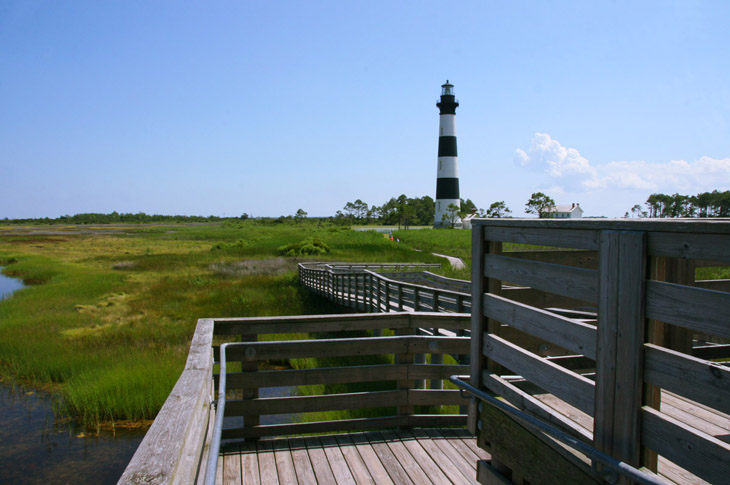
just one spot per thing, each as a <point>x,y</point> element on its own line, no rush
<point>8,285</point>
<point>37,448</point>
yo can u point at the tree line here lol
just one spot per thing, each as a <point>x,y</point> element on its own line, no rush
<point>118,218</point>
<point>406,211</point>
<point>705,204</point>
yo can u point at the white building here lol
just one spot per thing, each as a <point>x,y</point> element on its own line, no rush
<point>572,211</point>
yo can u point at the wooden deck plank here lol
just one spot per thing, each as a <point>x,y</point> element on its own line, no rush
<point>249,464</point>
<point>418,457</point>
<point>454,472</point>
<point>337,462</point>
<point>397,473</point>
<point>361,472</point>
<point>318,458</point>
<point>676,474</point>
<point>469,441</point>
<point>302,463</point>
<point>419,453</point>
<point>695,422</point>
<point>463,450</point>
<point>702,411</point>
<point>466,466</point>
<point>284,463</point>
<point>267,463</point>
<point>407,460</point>
<point>371,458</point>
<point>232,464</point>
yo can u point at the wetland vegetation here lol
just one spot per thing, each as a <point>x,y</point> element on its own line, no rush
<point>107,319</point>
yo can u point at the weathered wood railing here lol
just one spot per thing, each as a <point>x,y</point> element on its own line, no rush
<point>400,376</point>
<point>359,287</point>
<point>607,388</point>
<point>176,446</point>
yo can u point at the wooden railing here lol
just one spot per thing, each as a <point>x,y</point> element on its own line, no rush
<point>402,377</point>
<point>359,287</point>
<point>607,386</point>
<point>175,449</point>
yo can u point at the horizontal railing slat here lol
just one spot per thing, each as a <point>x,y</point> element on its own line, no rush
<point>569,386</point>
<point>326,375</point>
<point>578,283</point>
<point>699,453</point>
<point>696,379</point>
<point>698,309</point>
<point>534,406</point>
<point>689,246</point>
<point>319,348</point>
<point>339,375</point>
<point>309,404</point>
<point>433,397</point>
<point>315,427</point>
<point>321,323</point>
<point>438,345</point>
<point>569,238</point>
<point>570,334</point>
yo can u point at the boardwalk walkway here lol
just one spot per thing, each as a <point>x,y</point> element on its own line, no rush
<point>418,456</point>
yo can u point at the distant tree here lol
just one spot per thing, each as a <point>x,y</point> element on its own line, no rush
<point>244,216</point>
<point>498,209</point>
<point>300,215</point>
<point>636,211</point>
<point>540,204</point>
<point>451,215</point>
<point>468,206</point>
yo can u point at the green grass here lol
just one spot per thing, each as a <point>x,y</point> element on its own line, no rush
<point>107,319</point>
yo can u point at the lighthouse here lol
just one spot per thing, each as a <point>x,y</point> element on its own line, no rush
<point>447,174</point>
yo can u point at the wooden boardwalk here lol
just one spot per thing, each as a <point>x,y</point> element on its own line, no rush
<point>418,456</point>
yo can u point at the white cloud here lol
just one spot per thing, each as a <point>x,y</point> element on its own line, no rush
<point>568,168</point>
<point>557,160</point>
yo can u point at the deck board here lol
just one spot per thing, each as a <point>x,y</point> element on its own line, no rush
<point>388,457</point>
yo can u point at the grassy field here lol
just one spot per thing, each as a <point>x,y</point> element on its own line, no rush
<point>107,319</point>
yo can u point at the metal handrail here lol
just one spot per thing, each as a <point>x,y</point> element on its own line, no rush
<point>618,467</point>
<point>220,406</point>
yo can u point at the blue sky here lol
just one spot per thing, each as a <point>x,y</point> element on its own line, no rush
<point>226,107</point>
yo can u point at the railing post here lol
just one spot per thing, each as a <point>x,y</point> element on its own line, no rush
<point>405,359</point>
<point>416,302</point>
<point>437,359</point>
<point>619,366</point>
<point>249,421</point>
<point>387,296</point>
<point>436,297</point>
<point>400,297</point>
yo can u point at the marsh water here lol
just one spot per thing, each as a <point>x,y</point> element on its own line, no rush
<point>8,285</point>
<point>37,448</point>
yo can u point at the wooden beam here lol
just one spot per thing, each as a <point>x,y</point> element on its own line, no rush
<point>567,385</point>
<point>564,238</point>
<point>701,310</point>
<point>565,332</point>
<point>699,453</point>
<point>699,380</point>
<point>310,404</point>
<point>620,338</point>
<point>690,246</point>
<point>578,283</point>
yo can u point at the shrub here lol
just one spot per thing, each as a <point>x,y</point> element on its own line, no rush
<point>308,247</point>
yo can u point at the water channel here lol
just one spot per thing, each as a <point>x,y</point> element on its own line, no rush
<point>38,448</point>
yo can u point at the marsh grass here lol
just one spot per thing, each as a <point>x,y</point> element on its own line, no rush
<point>109,314</point>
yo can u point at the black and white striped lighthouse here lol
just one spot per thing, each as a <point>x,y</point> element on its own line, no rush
<point>447,176</point>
